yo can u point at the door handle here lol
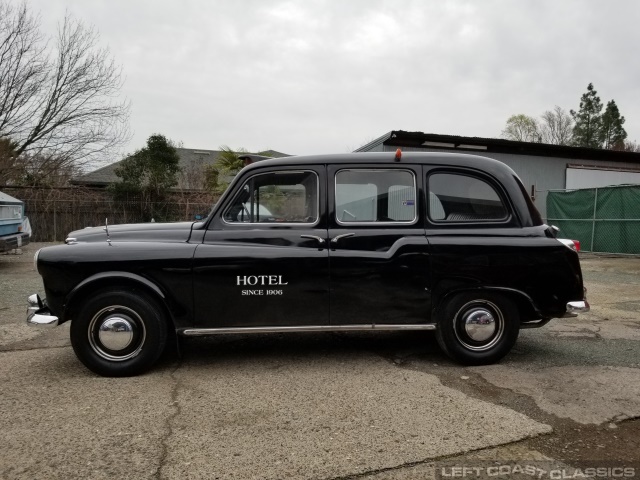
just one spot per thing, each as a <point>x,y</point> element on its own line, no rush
<point>335,239</point>
<point>315,237</point>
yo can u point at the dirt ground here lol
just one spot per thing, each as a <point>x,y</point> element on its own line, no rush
<point>330,406</point>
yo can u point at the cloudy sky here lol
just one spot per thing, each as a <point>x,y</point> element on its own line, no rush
<point>324,76</point>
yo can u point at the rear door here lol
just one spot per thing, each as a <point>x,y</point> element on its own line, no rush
<point>378,249</point>
<point>475,236</point>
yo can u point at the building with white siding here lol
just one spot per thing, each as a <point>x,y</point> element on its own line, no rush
<point>541,167</point>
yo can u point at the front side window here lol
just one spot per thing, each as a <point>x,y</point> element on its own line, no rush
<point>462,198</point>
<point>277,197</point>
<point>375,196</point>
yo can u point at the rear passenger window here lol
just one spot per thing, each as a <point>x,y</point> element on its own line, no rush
<point>462,198</point>
<point>375,196</point>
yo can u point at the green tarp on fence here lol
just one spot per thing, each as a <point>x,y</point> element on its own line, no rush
<point>603,219</point>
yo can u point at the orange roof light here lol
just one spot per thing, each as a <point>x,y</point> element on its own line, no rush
<point>398,155</point>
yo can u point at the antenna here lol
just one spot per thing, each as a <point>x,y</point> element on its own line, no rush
<point>106,229</point>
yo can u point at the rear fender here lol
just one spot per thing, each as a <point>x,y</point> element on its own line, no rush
<point>525,304</point>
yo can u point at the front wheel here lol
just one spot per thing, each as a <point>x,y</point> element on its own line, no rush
<point>119,333</point>
<point>478,328</point>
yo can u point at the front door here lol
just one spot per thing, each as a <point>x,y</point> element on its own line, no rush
<point>379,253</point>
<point>264,260</point>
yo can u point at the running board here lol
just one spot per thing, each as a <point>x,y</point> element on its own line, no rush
<point>195,332</point>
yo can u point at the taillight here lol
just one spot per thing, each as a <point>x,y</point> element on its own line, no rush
<point>572,244</point>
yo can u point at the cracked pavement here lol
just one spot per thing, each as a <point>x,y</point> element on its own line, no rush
<point>323,406</point>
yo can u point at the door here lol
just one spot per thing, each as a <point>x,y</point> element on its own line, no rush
<point>264,260</point>
<point>379,253</point>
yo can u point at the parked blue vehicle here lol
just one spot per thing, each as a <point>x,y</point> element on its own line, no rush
<point>12,223</point>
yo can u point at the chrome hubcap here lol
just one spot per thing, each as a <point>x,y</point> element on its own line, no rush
<point>116,333</point>
<point>479,325</point>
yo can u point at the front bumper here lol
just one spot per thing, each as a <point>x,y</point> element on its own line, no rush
<point>11,242</point>
<point>574,308</point>
<point>38,314</point>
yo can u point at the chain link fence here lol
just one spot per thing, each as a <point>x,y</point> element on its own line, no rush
<point>54,212</point>
<point>53,221</point>
<point>605,220</point>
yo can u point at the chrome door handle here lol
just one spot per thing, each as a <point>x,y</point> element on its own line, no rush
<point>314,237</point>
<point>335,239</point>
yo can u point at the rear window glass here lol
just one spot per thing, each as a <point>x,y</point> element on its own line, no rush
<point>463,198</point>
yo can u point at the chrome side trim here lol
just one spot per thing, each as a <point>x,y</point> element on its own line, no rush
<point>38,314</point>
<point>195,332</point>
<point>537,324</point>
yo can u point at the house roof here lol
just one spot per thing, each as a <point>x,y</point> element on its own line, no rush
<point>9,200</point>
<point>400,138</point>
<point>189,158</point>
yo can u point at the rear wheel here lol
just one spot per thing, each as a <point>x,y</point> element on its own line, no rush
<point>119,333</point>
<point>478,328</point>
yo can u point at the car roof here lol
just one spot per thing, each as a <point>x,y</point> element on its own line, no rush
<point>388,158</point>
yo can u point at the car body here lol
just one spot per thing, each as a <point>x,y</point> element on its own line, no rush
<point>366,241</point>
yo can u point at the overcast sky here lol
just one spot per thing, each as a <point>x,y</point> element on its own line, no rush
<point>326,76</point>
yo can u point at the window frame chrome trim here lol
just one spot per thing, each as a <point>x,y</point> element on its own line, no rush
<point>504,199</point>
<point>275,224</point>
<point>369,224</point>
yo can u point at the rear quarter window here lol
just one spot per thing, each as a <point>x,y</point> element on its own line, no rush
<point>460,198</point>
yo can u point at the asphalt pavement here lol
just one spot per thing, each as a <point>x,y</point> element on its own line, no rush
<point>326,406</point>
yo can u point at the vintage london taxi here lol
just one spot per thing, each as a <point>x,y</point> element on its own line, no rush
<point>367,241</point>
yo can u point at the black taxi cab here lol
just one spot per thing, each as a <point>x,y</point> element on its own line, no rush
<point>367,241</point>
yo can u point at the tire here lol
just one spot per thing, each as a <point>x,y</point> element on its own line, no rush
<point>464,336</point>
<point>119,333</point>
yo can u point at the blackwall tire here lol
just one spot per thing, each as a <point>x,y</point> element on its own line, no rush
<point>478,328</point>
<point>119,333</point>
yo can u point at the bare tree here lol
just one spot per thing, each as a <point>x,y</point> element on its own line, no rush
<point>22,68</point>
<point>627,147</point>
<point>8,167</point>
<point>556,127</point>
<point>61,102</point>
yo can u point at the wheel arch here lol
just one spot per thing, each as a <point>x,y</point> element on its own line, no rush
<point>524,303</point>
<point>116,279</point>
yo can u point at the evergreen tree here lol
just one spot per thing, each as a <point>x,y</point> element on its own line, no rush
<point>612,134</point>
<point>587,130</point>
<point>147,175</point>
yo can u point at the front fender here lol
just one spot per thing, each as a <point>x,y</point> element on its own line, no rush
<point>106,279</point>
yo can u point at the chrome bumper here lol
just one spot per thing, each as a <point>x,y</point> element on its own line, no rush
<point>38,315</point>
<point>574,308</point>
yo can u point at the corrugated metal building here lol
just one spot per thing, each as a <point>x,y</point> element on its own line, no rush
<point>541,167</point>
